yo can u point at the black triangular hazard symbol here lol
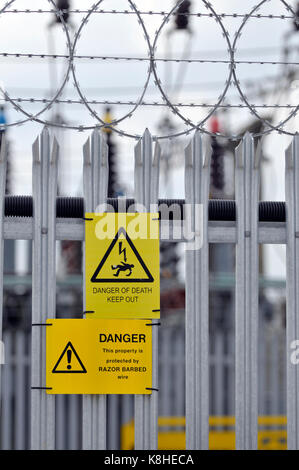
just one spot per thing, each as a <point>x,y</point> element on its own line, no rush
<point>74,363</point>
<point>148,276</point>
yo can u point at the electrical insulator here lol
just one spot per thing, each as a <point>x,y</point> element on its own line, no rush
<point>2,133</point>
<point>2,115</point>
<point>107,119</point>
<point>182,18</point>
<point>296,21</point>
<point>214,125</point>
<point>63,5</point>
<point>2,122</point>
<point>8,188</point>
<point>217,173</point>
<point>1,137</point>
<point>112,181</point>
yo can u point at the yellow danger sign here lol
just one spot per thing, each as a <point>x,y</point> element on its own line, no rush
<point>122,265</point>
<point>98,356</point>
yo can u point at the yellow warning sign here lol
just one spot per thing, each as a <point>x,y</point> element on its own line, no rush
<point>122,265</point>
<point>98,356</point>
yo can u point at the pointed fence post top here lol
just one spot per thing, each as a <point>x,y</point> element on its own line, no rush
<point>104,153</point>
<point>189,156</point>
<point>239,155</point>
<point>199,150</point>
<point>3,152</point>
<point>138,153</point>
<point>143,148</point>
<point>95,139</point>
<point>207,152</point>
<point>197,138</point>
<point>147,166</point>
<point>45,134</point>
<point>292,151</point>
<point>44,143</point>
<point>147,134</point>
<point>289,156</point>
<point>247,138</point>
<point>155,174</point>
<point>258,153</point>
<point>95,133</point>
<point>35,151</point>
<point>249,149</point>
<point>157,155</point>
<point>147,143</point>
<point>55,152</point>
<point>245,153</point>
<point>86,152</point>
<point>99,139</point>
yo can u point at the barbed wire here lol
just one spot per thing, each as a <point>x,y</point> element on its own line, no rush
<point>231,46</point>
<point>152,13</point>
<point>146,59</point>
<point>150,103</point>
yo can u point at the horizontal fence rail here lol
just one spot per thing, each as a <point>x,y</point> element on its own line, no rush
<point>73,208</point>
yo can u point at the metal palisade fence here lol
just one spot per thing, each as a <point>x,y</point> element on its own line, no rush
<point>247,233</point>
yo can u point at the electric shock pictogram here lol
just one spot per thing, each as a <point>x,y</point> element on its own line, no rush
<point>120,261</point>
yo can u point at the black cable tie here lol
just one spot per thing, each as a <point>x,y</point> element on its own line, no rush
<point>153,324</point>
<point>89,311</point>
<point>154,389</point>
<point>41,388</point>
<point>86,218</point>
<point>157,310</point>
<point>42,324</point>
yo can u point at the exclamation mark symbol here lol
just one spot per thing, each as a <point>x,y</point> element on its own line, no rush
<point>69,358</point>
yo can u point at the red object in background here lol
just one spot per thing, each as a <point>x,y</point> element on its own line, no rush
<point>214,125</point>
<point>173,299</point>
